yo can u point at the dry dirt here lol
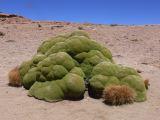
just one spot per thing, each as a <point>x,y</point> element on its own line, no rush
<point>135,46</point>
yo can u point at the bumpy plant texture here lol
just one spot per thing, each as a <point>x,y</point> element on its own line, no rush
<point>65,65</point>
<point>106,73</point>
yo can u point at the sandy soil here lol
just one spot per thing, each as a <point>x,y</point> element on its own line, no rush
<point>135,46</point>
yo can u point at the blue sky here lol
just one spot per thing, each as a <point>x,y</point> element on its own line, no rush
<point>93,11</point>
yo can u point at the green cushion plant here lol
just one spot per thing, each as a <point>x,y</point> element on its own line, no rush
<point>65,65</point>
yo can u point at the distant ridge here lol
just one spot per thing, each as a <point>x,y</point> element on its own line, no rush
<point>12,18</point>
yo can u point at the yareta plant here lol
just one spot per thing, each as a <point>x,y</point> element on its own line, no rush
<point>65,66</point>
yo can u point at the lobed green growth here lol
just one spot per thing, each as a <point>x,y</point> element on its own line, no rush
<point>106,73</point>
<point>64,64</point>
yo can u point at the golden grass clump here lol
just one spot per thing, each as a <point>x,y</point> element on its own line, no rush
<point>14,77</point>
<point>147,84</point>
<point>118,94</point>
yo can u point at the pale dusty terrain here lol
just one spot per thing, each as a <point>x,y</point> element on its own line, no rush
<point>135,46</point>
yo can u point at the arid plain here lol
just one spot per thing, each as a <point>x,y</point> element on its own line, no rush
<point>135,46</point>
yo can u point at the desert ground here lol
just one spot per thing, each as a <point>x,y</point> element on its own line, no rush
<point>135,46</point>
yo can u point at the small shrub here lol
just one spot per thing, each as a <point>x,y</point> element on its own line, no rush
<point>118,94</point>
<point>14,77</point>
<point>146,82</point>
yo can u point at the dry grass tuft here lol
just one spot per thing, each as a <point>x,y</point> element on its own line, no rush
<point>118,94</point>
<point>146,82</point>
<point>14,77</point>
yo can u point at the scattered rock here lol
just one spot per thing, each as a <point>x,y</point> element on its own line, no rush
<point>52,28</point>
<point>135,40</point>
<point>117,56</point>
<point>39,28</point>
<point>80,28</point>
<point>144,63</point>
<point>2,34</point>
<point>125,37</point>
<point>139,71</point>
<point>56,26</point>
<point>39,25</point>
<point>59,26</point>
<point>10,41</point>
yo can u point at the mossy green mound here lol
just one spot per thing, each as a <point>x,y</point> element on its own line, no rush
<point>106,73</point>
<point>65,64</point>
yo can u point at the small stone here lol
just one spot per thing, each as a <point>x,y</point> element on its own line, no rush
<point>10,41</point>
<point>2,34</point>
